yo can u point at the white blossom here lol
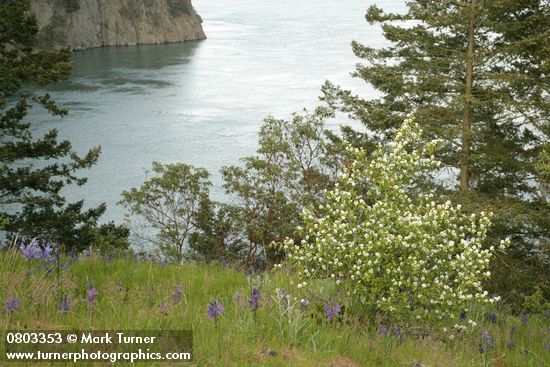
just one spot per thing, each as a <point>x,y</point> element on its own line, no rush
<point>383,251</point>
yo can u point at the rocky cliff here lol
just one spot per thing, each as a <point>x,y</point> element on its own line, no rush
<point>82,24</point>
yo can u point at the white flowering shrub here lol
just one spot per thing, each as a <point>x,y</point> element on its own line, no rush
<point>399,255</point>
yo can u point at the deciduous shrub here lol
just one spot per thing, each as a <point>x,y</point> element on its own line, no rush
<point>163,211</point>
<point>396,255</point>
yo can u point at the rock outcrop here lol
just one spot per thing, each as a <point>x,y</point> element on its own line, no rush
<point>81,24</point>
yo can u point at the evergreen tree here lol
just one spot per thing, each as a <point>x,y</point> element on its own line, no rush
<point>219,234</point>
<point>476,74</point>
<point>33,171</point>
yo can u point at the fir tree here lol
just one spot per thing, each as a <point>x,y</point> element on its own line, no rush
<point>476,74</point>
<point>33,171</point>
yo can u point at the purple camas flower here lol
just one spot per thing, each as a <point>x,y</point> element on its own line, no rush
<point>328,311</point>
<point>524,317</point>
<point>49,254</point>
<point>383,330</point>
<point>492,317</point>
<point>176,295</point>
<point>91,294</point>
<point>12,304</point>
<point>64,306</point>
<point>32,250</point>
<point>255,298</point>
<point>215,308</point>
<point>332,311</point>
<point>64,266</point>
<point>487,342</point>
<point>35,251</point>
<point>304,303</point>
<point>463,314</point>
<point>487,339</point>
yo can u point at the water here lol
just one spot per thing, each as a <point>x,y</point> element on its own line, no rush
<point>203,102</point>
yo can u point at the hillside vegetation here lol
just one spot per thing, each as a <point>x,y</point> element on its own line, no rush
<point>143,294</point>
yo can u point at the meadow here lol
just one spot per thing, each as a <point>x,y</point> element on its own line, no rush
<point>264,320</point>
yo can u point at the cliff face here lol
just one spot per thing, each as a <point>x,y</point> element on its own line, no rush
<point>81,24</point>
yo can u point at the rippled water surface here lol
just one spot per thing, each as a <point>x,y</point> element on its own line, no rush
<point>203,102</point>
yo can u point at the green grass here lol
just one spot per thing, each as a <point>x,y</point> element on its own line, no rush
<point>298,338</point>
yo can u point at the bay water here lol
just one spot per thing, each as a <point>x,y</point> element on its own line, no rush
<point>203,102</point>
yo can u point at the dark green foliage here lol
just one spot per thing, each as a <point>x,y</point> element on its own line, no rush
<point>33,171</point>
<point>110,238</point>
<point>219,235</point>
<point>535,303</point>
<point>19,63</point>
<point>543,168</point>
<point>295,162</point>
<point>51,219</point>
<point>3,222</point>
<point>476,74</point>
<point>180,7</point>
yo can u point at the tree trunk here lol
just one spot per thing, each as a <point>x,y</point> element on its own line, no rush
<point>468,109</point>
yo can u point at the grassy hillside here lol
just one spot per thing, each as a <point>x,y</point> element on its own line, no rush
<point>135,295</point>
